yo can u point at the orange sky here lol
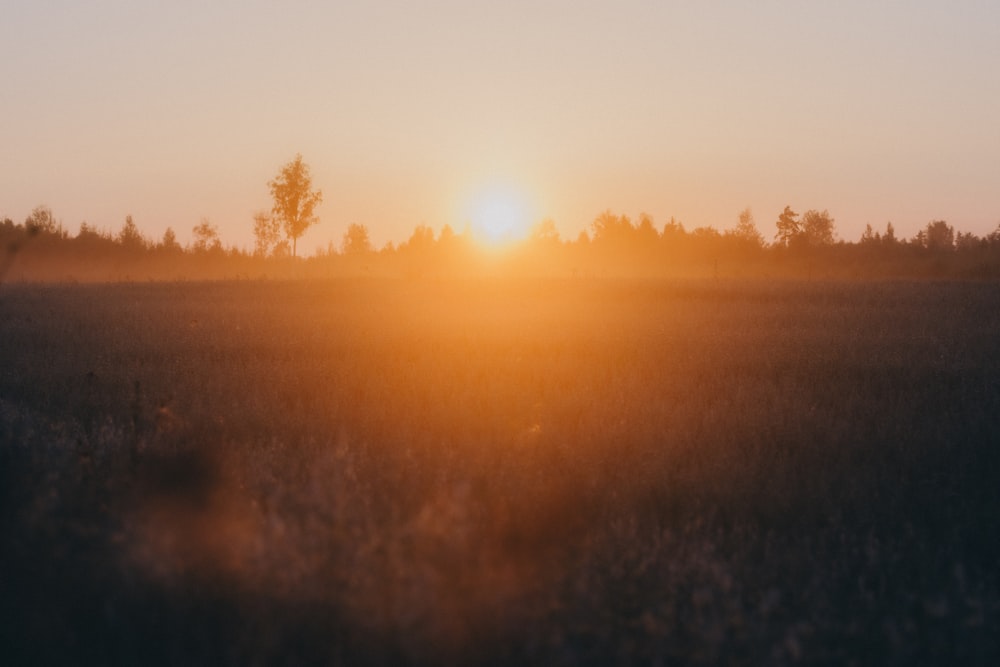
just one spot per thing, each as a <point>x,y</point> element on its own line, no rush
<point>172,112</point>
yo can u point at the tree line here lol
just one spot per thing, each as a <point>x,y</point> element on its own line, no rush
<point>613,244</point>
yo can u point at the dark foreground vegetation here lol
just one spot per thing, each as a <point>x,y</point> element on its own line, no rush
<point>519,472</point>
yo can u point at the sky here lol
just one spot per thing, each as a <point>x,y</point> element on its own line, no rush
<point>174,112</point>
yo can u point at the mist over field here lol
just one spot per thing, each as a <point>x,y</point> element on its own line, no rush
<point>500,471</point>
<point>504,244</point>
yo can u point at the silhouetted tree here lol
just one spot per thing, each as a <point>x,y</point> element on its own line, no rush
<point>746,230</point>
<point>11,237</point>
<point>41,220</point>
<point>421,241</point>
<point>417,252</point>
<point>543,243</point>
<point>356,240</point>
<point>673,233</point>
<point>169,242</point>
<point>788,227</point>
<point>706,234</point>
<point>130,237</point>
<point>869,236</point>
<point>646,235</point>
<point>447,239</point>
<point>206,236</point>
<point>281,249</point>
<point>994,236</point>
<point>266,233</point>
<point>967,241</point>
<point>294,200</point>
<point>611,229</point>
<point>889,238</point>
<point>817,228</point>
<point>938,236</point>
<point>91,237</point>
<point>451,248</point>
<point>545,233</point>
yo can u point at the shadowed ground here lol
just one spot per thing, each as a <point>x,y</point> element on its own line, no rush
<point>540,472</point>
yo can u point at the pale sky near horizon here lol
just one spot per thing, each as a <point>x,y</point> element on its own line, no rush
<point>176,111</point>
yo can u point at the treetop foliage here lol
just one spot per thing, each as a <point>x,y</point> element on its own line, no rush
<point>206,236</point>
<point>788,227</point>
<point>356,241</point>
<point>294,199</point>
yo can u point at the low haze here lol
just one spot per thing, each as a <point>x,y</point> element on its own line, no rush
<point>406,112</point>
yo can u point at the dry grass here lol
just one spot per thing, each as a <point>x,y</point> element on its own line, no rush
<point>500,472</point>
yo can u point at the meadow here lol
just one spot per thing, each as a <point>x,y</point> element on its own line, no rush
<point>500,471</point>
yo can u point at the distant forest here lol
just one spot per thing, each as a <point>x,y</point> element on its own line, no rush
<point>797,246</point>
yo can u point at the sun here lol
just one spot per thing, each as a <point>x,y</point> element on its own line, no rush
<point>500,216</point>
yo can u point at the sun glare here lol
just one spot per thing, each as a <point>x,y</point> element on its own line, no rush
<point>500,217</point>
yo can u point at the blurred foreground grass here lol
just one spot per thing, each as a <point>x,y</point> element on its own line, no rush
<point>535,472</point>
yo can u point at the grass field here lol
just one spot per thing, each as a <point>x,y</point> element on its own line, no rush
<point>500,472</point>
